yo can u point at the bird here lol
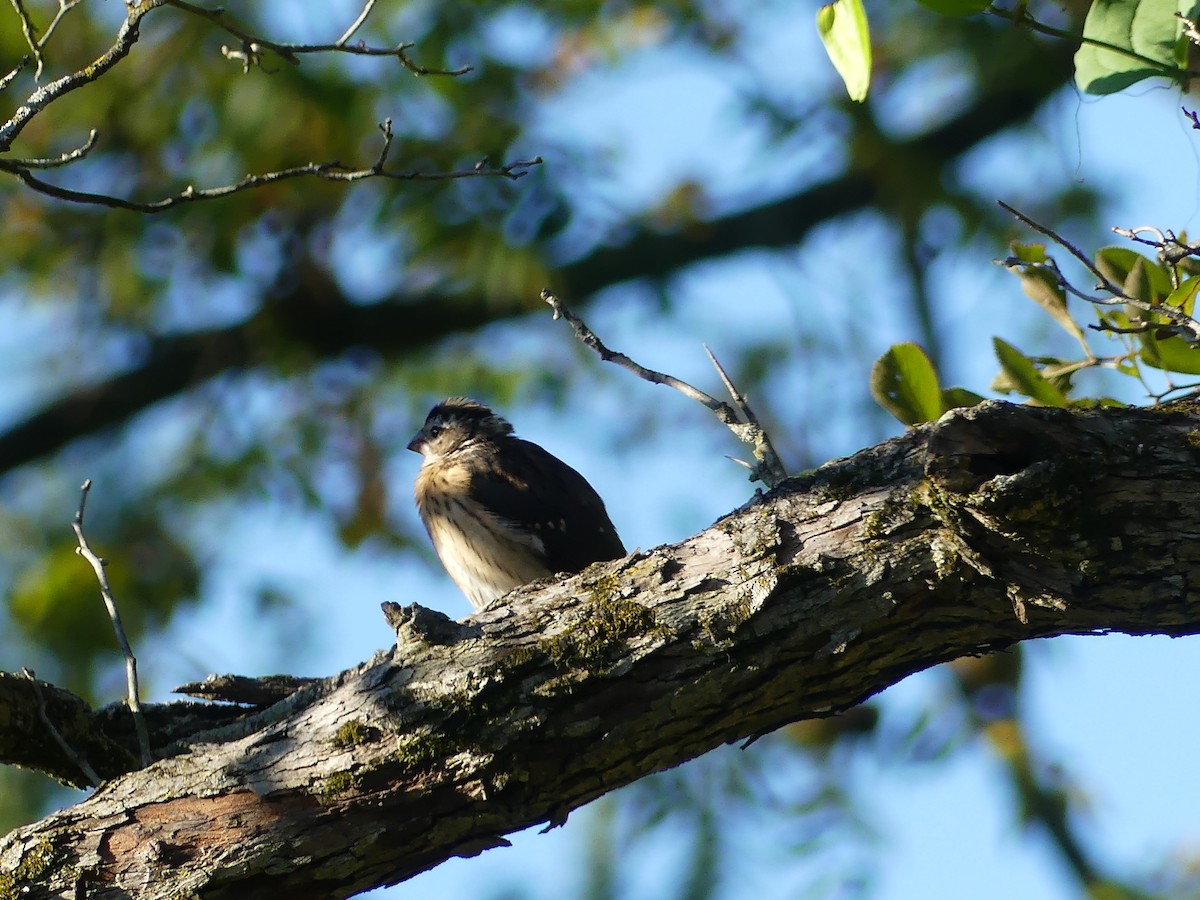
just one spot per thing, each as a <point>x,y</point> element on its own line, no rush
<point>501,511</point>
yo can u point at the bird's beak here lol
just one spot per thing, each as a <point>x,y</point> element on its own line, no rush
<point>417,442</point>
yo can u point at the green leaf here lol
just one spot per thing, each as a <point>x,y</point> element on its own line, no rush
<point>904,382</point>
<point>958,397</point>
<point>1184,296</point>
<point>1172,354</point>
<point>1058,372</point>
<point>1147,28</point>
<point>1024,376</point>
<point>843,29</point>
<point>1044,288</point>
<point>1031,254</point>
<point>1137,275</point>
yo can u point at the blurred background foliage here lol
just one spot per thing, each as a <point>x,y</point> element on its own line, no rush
<point>269,354</point>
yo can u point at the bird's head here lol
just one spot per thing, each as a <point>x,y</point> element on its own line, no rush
<point>456,425</point>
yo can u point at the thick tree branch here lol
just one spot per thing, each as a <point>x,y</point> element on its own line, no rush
<point>994,525</point>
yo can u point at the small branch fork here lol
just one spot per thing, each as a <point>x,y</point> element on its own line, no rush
<point>1171,249</point>
<point>131,677</point>
<point>252,46</point>
<point>738,418</point>
<point>1180,323</point>
<point>29,30</point>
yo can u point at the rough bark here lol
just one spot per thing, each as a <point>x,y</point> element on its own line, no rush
<point>995,525</point>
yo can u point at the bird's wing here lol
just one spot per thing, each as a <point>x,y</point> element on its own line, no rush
<point>541,496</point>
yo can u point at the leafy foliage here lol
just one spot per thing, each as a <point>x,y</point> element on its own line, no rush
<point>1145,305</point>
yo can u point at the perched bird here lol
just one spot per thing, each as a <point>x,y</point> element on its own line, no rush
<point>502,511</point>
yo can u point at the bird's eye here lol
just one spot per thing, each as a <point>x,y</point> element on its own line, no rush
<point>435,430</point>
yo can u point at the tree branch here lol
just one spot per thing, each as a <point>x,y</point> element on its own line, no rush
<point>252,45</point>
<point>326,171</point>
<point>133,697</point>
<point>827,590</point>
<point>105,738</point>
<point>127,36</point>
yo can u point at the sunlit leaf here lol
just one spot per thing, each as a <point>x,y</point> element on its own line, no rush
<point>842,26</point>
<point>958,397</point>
<point>1172,354</point>
<point>1184,296</point>
<point>1147,28</point>
<point>1044,288</point>
<point>904,382</point>
<point>1136,274</point>
<point>1024,376</point>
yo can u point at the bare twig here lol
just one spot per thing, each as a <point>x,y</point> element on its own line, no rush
<point>769,470</point>
<point>1180,322</point>
<point>14,72</point>
<point>64,159</point>
<point>253,45</point>
<point>742,405</point>
<point>1135,234</point>
<point>357,23</point>
<point>1066,245</point>
<point>64,7</point>
<point>1139,328</point>
<point>30,31</point>
<point>82,764</point>
<point>327,171</point>
<point>131,677</point>
<point>1171,249</point>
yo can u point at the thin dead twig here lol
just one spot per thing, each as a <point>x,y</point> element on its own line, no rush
<point>80,763</point>
<point>739,418</point>
<point>252,45</point>
<point>127,36</point>
<point>132,699</point>
<point>29,30</point>
<point>16,70</point>
<point>64,159</point>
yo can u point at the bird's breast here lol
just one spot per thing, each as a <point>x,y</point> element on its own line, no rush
<point>485,557</point>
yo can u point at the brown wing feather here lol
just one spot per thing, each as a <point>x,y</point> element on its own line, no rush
<point>539,494</point>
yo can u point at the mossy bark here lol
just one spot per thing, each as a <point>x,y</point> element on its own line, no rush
<point>992,526</point>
